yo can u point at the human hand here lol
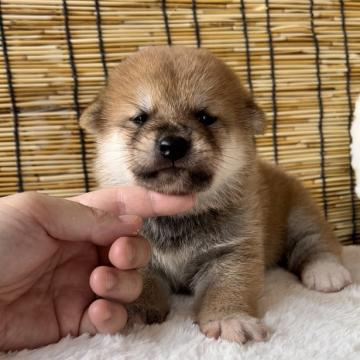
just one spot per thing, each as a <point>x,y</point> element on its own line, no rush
<point>67,265</point>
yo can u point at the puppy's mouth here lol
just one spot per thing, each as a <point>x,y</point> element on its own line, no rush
<point>174,179</point>
<point>170,170</point>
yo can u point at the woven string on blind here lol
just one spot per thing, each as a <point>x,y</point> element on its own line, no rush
<point>300,60</point>
<point>75,94</point>
<point>13,106</point>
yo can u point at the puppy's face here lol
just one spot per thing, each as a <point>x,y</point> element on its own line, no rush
<point>174,120</point>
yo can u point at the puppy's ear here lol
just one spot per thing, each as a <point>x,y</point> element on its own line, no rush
<point>256,116</point>
<point>91,117</point>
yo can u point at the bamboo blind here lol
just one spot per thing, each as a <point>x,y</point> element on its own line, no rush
<point>300,59</point>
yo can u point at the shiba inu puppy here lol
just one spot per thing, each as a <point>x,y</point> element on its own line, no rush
<point>178,121</point>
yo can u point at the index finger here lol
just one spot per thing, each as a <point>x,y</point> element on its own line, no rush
<point>135,200</point>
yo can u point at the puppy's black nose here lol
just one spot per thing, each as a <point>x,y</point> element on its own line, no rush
<point>173,147</point>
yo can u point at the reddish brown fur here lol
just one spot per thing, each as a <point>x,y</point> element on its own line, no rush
<point>259,215</point>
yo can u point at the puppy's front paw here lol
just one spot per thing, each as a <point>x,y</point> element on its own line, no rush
<point>326,276</point>
<point>140,314</point>
<point>238,328</point>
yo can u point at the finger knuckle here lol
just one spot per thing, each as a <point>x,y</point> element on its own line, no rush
<point>34,204</point>
<point>30,198</point>
<point>98,216</point>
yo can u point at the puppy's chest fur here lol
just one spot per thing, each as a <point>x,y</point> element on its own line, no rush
<point>185,245</point>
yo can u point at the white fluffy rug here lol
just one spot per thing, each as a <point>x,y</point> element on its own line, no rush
<point>306,325</point>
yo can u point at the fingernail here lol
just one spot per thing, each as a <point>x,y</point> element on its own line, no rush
<point>107,314</point>
<point>110,281</point>
<point>131,220</point>
<point>130,254</point>
<point>132,223</point>
<point>171,204</point>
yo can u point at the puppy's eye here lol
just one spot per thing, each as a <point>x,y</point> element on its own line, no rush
<point>140,119</point>
<point>205,118</point>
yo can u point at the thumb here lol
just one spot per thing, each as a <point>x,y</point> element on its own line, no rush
<point>68,220</point>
